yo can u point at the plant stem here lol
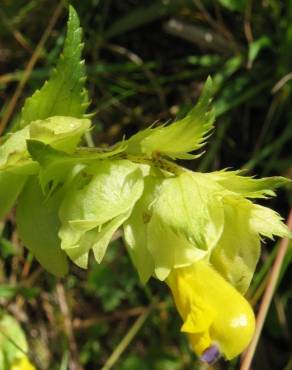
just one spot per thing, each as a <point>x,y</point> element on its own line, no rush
<point>127,339</point>
<point>161,163</point>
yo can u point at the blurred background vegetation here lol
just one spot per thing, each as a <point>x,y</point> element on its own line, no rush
<point>146,62</point>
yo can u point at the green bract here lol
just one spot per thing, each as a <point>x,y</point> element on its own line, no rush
<point>196,216</point>
<point>56,166</point>
<point>237,252</point>
<point>97,202</point>
<point>181,137</point>
<point>177,221</point>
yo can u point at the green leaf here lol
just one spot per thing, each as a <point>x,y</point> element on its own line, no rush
<point>38,225</point>
<point>7,248</point>
<point>14,157</point>
<point>10,187</point>
<point>63,133</point>
<point>98,200</point>
<point>233,5</point>
<point>256,47</point>
<point>15,162</point>
<point>181,137</point>
<point>13,146</point>
<point>10,291</point>
<point>13,344</point>
<point>64,93</point>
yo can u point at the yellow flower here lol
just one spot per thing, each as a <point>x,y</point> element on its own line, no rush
<point>217,318</point>
<point>22,363</point>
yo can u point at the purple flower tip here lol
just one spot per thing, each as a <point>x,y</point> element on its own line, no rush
<point>210,355</point>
